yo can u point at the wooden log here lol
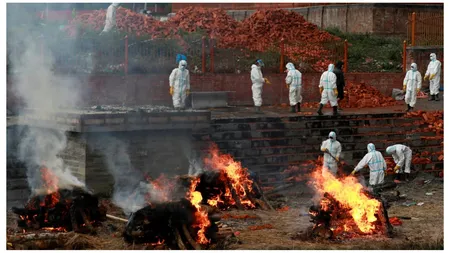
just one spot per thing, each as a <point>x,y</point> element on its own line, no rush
<point>73,220</point>
<point>236,197</point>
<point>178,239</point>
<point>263,197</point>
<point>189,238</point>
<point>209,209</point>
<point>112,217</point>
<point>38,236</point>
<point>215,217</point>
<point>87,223</point>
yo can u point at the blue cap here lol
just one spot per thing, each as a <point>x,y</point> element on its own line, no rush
<point>181,57</point>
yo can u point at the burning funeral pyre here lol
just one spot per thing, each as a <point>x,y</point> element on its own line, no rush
<point>55,209</point>
<point>346,209</point>
<point>190,222</point>
<point>181,212</point>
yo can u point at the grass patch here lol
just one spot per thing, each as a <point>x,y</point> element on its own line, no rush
<point>372,53</point>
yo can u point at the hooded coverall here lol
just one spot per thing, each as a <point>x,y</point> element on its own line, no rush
<point>377,165</point>
<point>413,83</point>
<point>257,84</point>
<point>179,81</point>
<point>434,72</point>
<point>294,80</point>
<point>402,156</point>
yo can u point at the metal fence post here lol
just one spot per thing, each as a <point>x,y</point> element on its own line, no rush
<point>126,55</point>
<point>413,29</point>
<point>211,47</point>
<point>203,54</point>
<point>282,56</point>
<point>345,56</point>
<point>404,56</point>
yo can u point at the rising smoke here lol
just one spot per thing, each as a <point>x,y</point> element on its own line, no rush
<point>132,190</point>
<point>41,91</point>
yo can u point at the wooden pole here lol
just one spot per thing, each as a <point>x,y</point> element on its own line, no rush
<point>211,47</point>
<point>282,56</point>
<point>413,29</point>
<point>404,56</point>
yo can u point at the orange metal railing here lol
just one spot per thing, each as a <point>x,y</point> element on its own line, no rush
<point>425,29</point>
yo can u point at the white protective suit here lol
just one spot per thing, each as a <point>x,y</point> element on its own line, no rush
<point>179,81</point>
<point>402,156</point>
<point>413,83</point>
<point>328,83</point>
<point>334,147</point>
<point>294,80</point>
<point>377,165</point>
<point>257,84</point>
<point>110,21</point>
<point>434,68</point>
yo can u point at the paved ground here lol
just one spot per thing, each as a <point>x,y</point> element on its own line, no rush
<point>423,231</point>
<point>279,111</point>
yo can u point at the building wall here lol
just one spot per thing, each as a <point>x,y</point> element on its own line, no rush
<point>383,19</point>
<point>16,172</point>
<point>154,88</point>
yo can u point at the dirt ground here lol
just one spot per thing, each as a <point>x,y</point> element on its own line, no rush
<point>423,231</point>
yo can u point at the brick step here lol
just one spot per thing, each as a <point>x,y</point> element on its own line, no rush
<point>307,118</point>
<point>203,141</point>
<point>300,150</point>
<point>225,127</point>
<point>279,133</point>
<point>296,141</point>
<point>349,156</point>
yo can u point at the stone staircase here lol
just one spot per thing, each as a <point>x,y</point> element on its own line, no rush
<point>269,145</point>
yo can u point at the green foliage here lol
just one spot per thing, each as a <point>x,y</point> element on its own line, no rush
<point>372,53</point>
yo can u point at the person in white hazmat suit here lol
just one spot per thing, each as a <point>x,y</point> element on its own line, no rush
<point>257,83</point>
<point>110,21</point>
<point>294,84</point>
<point>328,90</point>
<point>377,165</point>
<point>402,157</point>
<point>411,85</point>
<point>179,85</point>
<point>333,147</point>
<point>434,75</point>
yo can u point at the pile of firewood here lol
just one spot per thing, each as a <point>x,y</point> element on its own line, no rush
<point>170,223</point>
<point>65,210</point>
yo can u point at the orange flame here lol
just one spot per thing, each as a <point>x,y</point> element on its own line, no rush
<point>201,216</point>
<point>215,201</point>
<point>348,192</point>
<point>59,229</point>
<point>50,182</point>
<point>234,173</point>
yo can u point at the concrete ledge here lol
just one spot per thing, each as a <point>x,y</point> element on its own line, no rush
<point>115,121</point>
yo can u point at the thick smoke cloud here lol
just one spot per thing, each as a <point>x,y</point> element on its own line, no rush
<point>41,90</point>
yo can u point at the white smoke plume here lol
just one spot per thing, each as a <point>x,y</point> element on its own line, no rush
<point>132,191</point>
<point>42,92</point>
